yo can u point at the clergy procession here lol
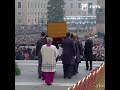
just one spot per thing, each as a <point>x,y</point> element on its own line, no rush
<point>71,51</point>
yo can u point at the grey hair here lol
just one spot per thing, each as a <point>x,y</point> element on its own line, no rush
<point>49,39</point>
<point>90,38</point>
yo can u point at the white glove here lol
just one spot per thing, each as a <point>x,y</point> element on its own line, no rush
<point>81,56</point>
<point>74,57</point>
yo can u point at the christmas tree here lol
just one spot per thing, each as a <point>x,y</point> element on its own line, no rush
<point>17,70</point>
<point>55,10</point>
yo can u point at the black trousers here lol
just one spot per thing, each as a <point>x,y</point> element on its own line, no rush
<point>39,64</point>
<point>39,69</point>
<point>68,70</point>
<point>87,65</point>
<point>75,68</point>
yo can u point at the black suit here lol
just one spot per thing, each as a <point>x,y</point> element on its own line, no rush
<point>68,56</point>
<point>79,51</point>
<point>40,43</point>
<point>88,53</point>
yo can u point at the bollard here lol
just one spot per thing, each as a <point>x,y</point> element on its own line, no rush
<point>69,88</point>
<point>73,88</point>
<point>87,83</point>
<point>82,84</point>
<point>96,78</point>
<point>76,87</point>
<point>99,75</point>
<point>92,81</point>
<point>79,85</point>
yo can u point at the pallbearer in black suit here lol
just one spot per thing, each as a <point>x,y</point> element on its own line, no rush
<point>79,53</point>
<point>88,52</point>
<point>40,43</point>
<point>68,56</point>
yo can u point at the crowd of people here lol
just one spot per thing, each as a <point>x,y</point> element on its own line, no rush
<point>27,29</point>
<point>71,51</point>
<point>23,41</point>
<point>23,53</point>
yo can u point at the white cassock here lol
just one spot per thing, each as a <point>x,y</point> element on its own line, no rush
<point>49,55</point>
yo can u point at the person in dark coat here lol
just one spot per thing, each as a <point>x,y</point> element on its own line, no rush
<point>39,44</point>
<point>88,52</point>
<point>29,50</point>
<point>68,56</point>
<point>19,55</point>
<point>79,53</point>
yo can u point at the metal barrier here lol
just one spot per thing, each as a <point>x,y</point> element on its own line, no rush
<point>95,80</point>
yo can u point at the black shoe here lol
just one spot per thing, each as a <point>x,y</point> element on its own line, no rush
<point>39,77</point>
<point>65,76</point>
<point>42,79</point>
<point>74,73</point>
<point>86,68</point>
<point>90,68</point>
<point>49,84</point>
<point>69,77</point>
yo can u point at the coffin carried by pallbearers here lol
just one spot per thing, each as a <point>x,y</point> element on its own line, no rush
<point>57,30</point>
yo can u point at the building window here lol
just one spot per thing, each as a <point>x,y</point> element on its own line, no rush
<point>31,4</point>
<point>38,13</point>
<point>64,11</point>
<point>28,21</point>
<point>28,4</point>
<point>19,5</point>
<point>28,13</point>
<point>41,5</point>
<point>79,12</point>
<point>19,13</point>
<point>19,20</point>
<point>71,5</point>
<point>38,5</point>
<point>35,20</point>
<point>90,9</point>
<point>71,13</point>
<point>65,3</point>
<point>32,21</point>
<point>35,4</point>
<point>44,5</point>
<point>35,13</point>
<point>79,5</point>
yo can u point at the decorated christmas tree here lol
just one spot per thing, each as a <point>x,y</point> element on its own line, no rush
<point>55,10</point>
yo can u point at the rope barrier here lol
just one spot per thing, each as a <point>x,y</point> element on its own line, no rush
<point>93,81</point>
